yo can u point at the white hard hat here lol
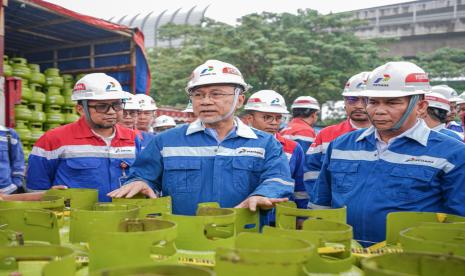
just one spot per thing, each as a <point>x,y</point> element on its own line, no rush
<point>97,86</point>
<point>462,98</point>
<point>189,108</point>
<point>216,72</point>
<point>164,120</point>
<point>267,101</point>
<point>305,102</point>
<point>356,84</point>
<point>396,79</point>
<point>437,100</point>
<point>146,102</point>
<point>131,103</point>
<point>447,92</point>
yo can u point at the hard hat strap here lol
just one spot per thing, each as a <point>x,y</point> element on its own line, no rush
<point>413,101</point>
<point>237,92</point>
<point>88,118</point>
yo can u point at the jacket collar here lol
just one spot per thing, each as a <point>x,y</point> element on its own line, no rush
<point>83,130</point>
<point>419,132</point>
<point>242,129</point>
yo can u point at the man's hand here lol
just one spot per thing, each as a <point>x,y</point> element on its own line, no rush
<point>59,187</point>
<point>260,201</point>
<point>132,189</point>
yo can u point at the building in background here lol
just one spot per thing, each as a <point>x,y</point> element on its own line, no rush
<point>416,26</point>
<point>150,23</point>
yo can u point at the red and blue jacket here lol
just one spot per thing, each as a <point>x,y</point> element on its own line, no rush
<point>72,155</point>
<point>300,131</point>
<point>316,153</point>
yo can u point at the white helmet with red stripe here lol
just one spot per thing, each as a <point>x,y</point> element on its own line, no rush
<point>305,102</point>
<point>396,79</point>
<point>356,84</point>
<point>447,92</point>
<point>437,100</point>
<point>97,86</point>
<point>216,72</point>
<point>267,101</point>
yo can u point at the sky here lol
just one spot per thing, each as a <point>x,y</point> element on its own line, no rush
<point>224,11</point>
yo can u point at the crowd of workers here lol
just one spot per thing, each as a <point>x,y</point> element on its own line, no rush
<point>400,148</point>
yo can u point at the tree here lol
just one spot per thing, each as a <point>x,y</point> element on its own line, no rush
<point>443,65</point>
<point>303,54</point>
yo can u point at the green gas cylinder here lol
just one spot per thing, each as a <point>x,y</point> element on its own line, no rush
<point>158,270</point>
<point>79,76</point>
<point>20,68</point>
<point>52,78</point>
<point>51,126</point>
<point>53,96</point>
<point>36,131</point>
<point>37,95</point>
<point>22,112</point>
<point>37,113</point>
<point>26,92</point>
<point>68,81</point>
<point>54,115</point>
<point>412,264</point>
<point>7,69</point>
<point>67,96</point>
<point>36,75</point>
<point>23,131</point>
<point>69,114</point>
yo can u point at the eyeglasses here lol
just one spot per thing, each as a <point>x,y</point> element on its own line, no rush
<point>353,100</point>
<point>215,96</point>
<point>270,118</point>
<point>104,107</point>
<point>131,113</point>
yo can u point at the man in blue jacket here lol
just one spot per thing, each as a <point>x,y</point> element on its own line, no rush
<point>398,164</point>
<point>11,161</point>
<point>217,157</point>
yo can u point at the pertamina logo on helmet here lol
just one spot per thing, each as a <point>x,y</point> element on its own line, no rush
<point>111,86</point>
<point>275,102</point>
<point>207,71</point>
<point>382,81</point>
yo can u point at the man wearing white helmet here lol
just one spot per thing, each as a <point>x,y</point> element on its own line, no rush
<point>146,114</point>
<point>130,109</point>
<point>93,152</point>
<point>163,123</point>
<point>145,117</point>
<point>436,115</point>
<point>264,110</point>
<point>398,164</point>
<point>356,119</point>
<point>217,157</point>
<point>453,98</point>
<point>304,115</point>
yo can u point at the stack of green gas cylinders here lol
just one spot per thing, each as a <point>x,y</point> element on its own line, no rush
<point>68,232</point>
<point>45,100</point>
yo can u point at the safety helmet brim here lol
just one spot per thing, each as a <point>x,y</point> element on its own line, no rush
<point>390,93</point>
<point>113,95</point>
